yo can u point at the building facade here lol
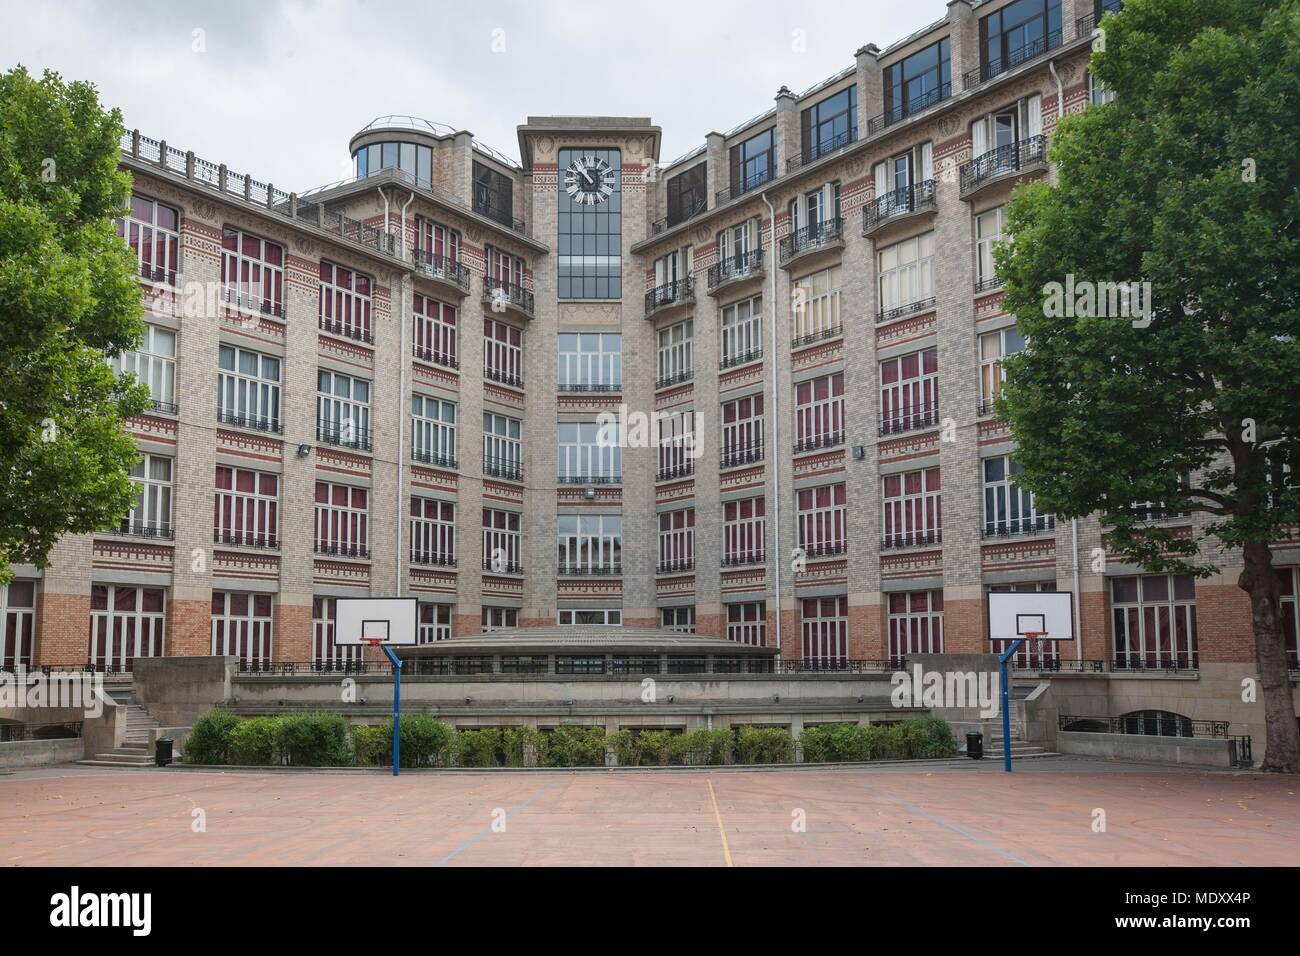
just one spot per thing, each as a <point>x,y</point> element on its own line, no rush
<point>796,327</point>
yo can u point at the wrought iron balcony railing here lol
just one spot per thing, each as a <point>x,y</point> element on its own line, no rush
<point>826,234</point>
<point>902,111</point>
<point>436,458</point>
<point>920,305</point>
<point>740,358</point>
<point>733,456</point>
<point>261,423</point>
<point>996,67</point>
<point>433,559</point>
<point>690,211</point>
<point>1010,158</point>
<point>672,567</point>
<point>442,267</point>
<point>502,295</point>
<point>344,434</point>
<point>252,301</point>
<point>676,378</point>
<point>815,151</point>
<point>347,330</point>
<point>821,335</point>
<point>435,356</point>
<point>739,559</point>
<point>677,292</point>
<point>922,415</point>
<point>745,185</point>
<point>681,470</point>
<point>740,266</point>
<point>899,202</point>
<point>818,442</point>
<point>911,539</point>
<point>505,378</point>
<point>507,468</point>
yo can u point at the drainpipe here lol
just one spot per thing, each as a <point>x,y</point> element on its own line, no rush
<point>778,555</point>
<point>1060,90</point>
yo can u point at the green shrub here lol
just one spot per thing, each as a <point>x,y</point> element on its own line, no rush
<point>570,746</point>
<point>927,737</point>
<point>915,738</point>
<point>372,744</point>
<point>209,740</point>
<point>314,740</point>
<point>425,741</point>
<point>815,742</point>
<point>703,748</point>
<point>764,745</point>
<point>478,748</point>
<point>621,743</point>
<point>652,748</point>
<point>256,742</point>
<point>525,747</point>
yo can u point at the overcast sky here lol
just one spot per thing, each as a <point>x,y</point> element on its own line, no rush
<point>281,85</point>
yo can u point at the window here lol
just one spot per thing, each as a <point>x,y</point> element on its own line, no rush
<point>342,410</point>
<point>1018,32</point>
<point>830,124</point>
<point>434,623</point>
<point>994,347</point>
<point>248,389</point>
<point>673,273</point>
<point>988,230</point>
<point>742,331</point>
<point>1009,509</point>
<point>823,520</point>
<point>1288,585</point>
<point>154,364</point>
<point>17,624</point>
<point>325,655</point>
<point>753,162</point>
<point>906,275</point>
<point>589,258</point>
<point>742,431</point>
<point>151,515</point>
<point>588,453</point>
<point>252,272</point>
<point>341,520</point>
<point>610,617</point>
<point>996,139</point>
<point>505,275</point>
<point>816,306</point>
<point>412,160</point>
<point>1031,655</point>
<point>918,81</point>
<point>909,391</point>
<point>744,525</point>
<point>819,412</point>
<point>345,302</point>
<point>503,353</point>
<point>1154,620</point>
<point>747,623</point>
<point>676,353</point>
<point>915,620</point>
<point>502,448</point>
<point>433,431</point>
<point>687,194</point>
<point>125,622</point>
<point>824,627</point>
<point>501,540</point>
<point>677,540</point>
<point>499,618</point>
<point>152,231</point>
<point>677,449</point>
<point>433,532</point>
<point>903,181</point>
<point>436,244</point>
<point>740,251</point>
<point>241,627</point>
<point>247,505</point>
<point>590,361</point>
<point>1099,94</point>
<point>590,544</point>
<point>434,331</point>
<point>913,508</point>
<point>814,219</point>
<point>493,194</point>
<point>678,619</point>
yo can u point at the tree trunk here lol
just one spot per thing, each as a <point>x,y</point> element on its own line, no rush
<point>1282,736</point>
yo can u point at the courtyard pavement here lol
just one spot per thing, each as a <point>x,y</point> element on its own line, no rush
<point>1052,811</point>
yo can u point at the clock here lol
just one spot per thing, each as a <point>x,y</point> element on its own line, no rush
<point>589,180</point>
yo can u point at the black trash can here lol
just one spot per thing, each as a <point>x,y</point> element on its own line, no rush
<point>974,745</point>
<point>162,751</point>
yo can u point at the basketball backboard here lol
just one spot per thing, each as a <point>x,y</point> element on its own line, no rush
<point>375,620</point>
<point>1046,615</point>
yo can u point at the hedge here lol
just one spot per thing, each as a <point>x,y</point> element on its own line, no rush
<point>914,738</point>
<point>210,737</point>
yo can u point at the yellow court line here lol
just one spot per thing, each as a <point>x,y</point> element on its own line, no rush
<point>726,850</point>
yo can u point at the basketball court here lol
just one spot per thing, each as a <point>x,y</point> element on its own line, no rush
<point>936,814</point>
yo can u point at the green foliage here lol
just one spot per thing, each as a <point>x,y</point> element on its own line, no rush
<point>764,745</point>
<point>209,741</point>
<point>927,737</point>
<point>915,738</point>
<point>68,298</point>
<point>571,746</point>
<point>652,748</point>
<point>426,742</point>
<point>701,748</point>
<point>372,744</point>
<point>478,748</point>
<point>256,742</point>
<point>314,740</point>
<point>525,747</point>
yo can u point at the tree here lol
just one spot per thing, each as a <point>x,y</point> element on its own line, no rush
<point>69,299</point>
<point>1186,181</point>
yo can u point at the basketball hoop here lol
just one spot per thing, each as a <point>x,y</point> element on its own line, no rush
<point>1034,635</point>
<point>372,641</point>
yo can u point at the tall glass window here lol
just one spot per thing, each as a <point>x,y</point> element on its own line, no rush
<point>917,81</point>
<point>830,124</point>
<point>591,233</point>
<point>753,162</point>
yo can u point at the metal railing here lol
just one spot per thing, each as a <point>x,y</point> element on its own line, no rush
<point>504,378</point>
<point>256,422</point>
<point>435,458</point>
<point>435,357</point>
<point>603,387</point>
<point>736,267</point>
<point>341,550</point>
<point>669,472</point>
<point>740,454</point>
<point>816,151</point>
<point>347,330</point>
<point>677,292</point>
<point>507,294</point>
<point>344,435</point>
<point>143,529</point>
<point>1156,661</point>
<point>996,67</point>
<point>920,305</point>
<point>911,539</point>
<point>1004,160</point>
<point>740,358</point>
<point>507,567</point>
<point>433,559</point>
<point>1016,527</point>
<point>246,539</point>
<point>164,276</point>
<point>744,186</point>
<point>985,285</point>
<point>1050,662</point>
<point>668,222</point>
<point>902,111</point>
<point>589,480</point>
<point>899,202</point>
<point>831,550</point>
<point>252,302</point>
<point>442,267</point>
<point>589,570</point>
<point>1159,724</point>
<point>818,442</point>
<point>819,235</point>
<point>507,468</point>
<point>742,558</point>
<point>67,730</point>
<point>167,408</point>
<point>672,567</point>
<point>676,378</point>
<point>822,335</point>
<point>921,416</point>
<point>617,666</point>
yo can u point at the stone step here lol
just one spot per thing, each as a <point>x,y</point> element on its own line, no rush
<point>127,758</point>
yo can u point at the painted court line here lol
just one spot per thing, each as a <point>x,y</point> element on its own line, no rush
<point>488,829</point>
<point>717,815</point>
<point>945,824</point>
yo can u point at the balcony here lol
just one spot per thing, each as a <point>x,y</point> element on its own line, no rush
<point>825,236</point>
<point>167,408</point>
<point>507,567</point>
<point>736,270</point>
<point>343,434</point>
<point>911,539</point>
<point>740,358</point>
<point>677,378</point>
<point>143,529</point>
<point>995,68</point>
<point>251,301</point>
<point>590,387</point>
<point>431,559</point>
<point>672,472</point>
<point>1005,163</point>
<point>690,212</point>
<point>734,456</point>
<point>1018,527</point>
<point>818,442</point>
<point>898,206</point>
<point>435,357</point>
<point>902,111</point>
<point>740,559</point>
<point>503,378</point>
<point>346,330</point>
<point>589,480</point>
<point>449,274</point>
<point>987,285</point>
<point>748,185</point>
<point>821,150</point>
<point>675,567</point>
<point>912,308</point>
<point>821,335</point>
<point>669,297</point>
<point>588,570</point>
<point>506,468</point>
<point>435,458</point>
<point>829,550</point>
<point>246,539</point>
<point>909,420</point>
<point>255,422</point>
<point>341,550</point>
<point>502,296</point>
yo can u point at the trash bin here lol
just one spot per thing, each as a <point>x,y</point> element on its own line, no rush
<point>162,752</point>
<point>974,745</point>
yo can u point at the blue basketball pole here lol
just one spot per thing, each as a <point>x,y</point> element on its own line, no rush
<point>397,708</point>
<point>1006,705</point>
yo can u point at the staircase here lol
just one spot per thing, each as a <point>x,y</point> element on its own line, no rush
<point>137,749</point>
<point>993,743</point>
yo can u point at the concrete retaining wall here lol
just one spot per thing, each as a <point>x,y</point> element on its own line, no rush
<point>15,754</point>
<point>176,690</point>
<point>1189,751</point>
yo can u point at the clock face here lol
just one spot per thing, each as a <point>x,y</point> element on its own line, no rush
<point>589,180</point>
